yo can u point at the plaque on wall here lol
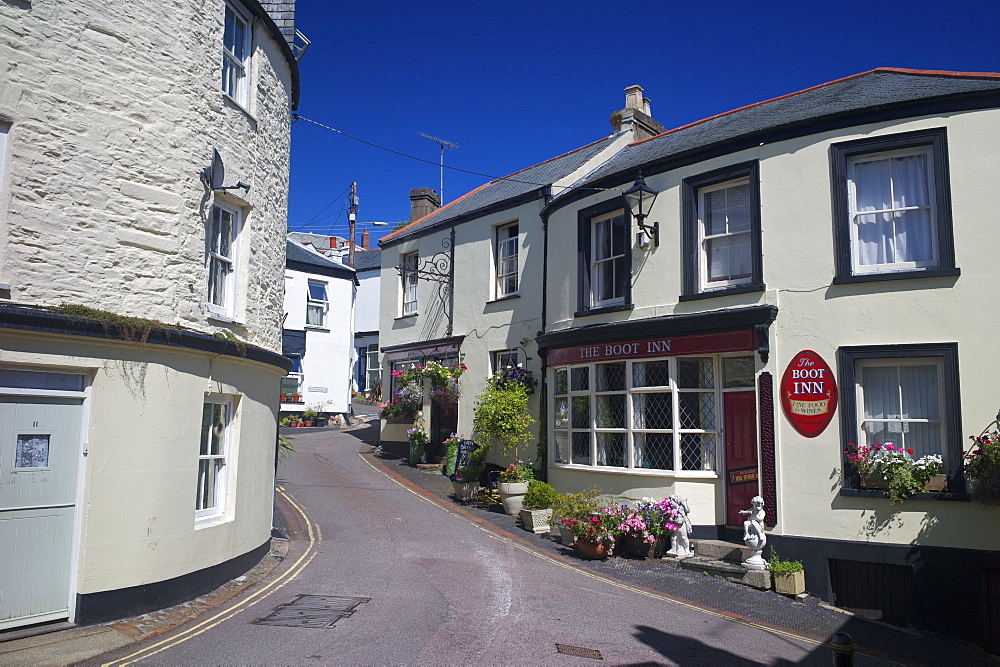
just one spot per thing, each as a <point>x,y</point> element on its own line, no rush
<point>808,393</point>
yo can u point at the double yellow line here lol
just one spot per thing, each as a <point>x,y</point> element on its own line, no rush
<point>315,537</point>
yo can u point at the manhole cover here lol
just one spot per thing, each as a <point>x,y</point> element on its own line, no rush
<point>579,651</point>
<point>312,611</point>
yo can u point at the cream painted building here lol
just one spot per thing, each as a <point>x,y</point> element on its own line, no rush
<point>137,459</point>
<point>816,273</point>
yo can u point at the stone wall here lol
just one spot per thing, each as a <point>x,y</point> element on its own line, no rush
<point>114,108</point>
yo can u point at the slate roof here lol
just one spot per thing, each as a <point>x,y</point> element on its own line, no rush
<point>300,258</point>
<point>504,189</point>
<point>803,112</point>
<point>367,260</point>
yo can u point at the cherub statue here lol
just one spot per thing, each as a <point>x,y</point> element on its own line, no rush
<point>680,540</point>
<point>753,534</point>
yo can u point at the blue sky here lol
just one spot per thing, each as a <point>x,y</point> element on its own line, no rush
<point>517,83</point>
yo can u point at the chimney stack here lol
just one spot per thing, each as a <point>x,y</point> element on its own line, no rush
<point>366,239</point>
<point>423,201</point>
<point>635,117</point>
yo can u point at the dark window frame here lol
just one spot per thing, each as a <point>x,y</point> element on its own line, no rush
<point>583,253</point>
<point>849,423</point>
<point>689,231</point>
<point>842,152</point>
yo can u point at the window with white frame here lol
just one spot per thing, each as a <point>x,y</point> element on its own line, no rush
<point>4,129</point>
<point>291,384</point>
<point>892,207</point>
<point>373,367</point>
<point>316,304</point>
<point>724,234</point>
<point>236,56</point>
<point>610,272</point>
<point>504,359</point>
<point>506,260</point>
<point>216,424</point>
<point>907,395</point>
<point>409,278</point>
<point>223,249</point>
<point>655,414</point>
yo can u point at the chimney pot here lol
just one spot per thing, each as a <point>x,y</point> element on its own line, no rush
<point>634,98</point>
<point>365,239</point>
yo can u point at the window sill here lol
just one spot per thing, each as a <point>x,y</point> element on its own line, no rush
<point>642,472</point>
<point>897,275</point>
<point>235,103</point>
<point>210,520</point>
<point>225,319</point>
<point>925,495</point>
<point>600,310</point>
<point>500,299</point>
<point>313,327</point>
<point>725,291</point>
<point>405,317</point>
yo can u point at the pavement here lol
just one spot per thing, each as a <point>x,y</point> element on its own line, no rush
<point>877,642</point>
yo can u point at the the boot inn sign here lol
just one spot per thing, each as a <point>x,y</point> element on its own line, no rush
<point>808,393</point>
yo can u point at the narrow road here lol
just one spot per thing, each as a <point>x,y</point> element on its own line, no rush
<point>435,588</point>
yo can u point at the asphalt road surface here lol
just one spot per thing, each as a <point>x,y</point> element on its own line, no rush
<point>419,583</point>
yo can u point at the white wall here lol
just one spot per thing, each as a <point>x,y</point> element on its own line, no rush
<point>327,362</point>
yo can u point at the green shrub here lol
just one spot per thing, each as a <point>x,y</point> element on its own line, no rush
<point>779,566</point>
<point>474,466</point>
<point>577,506</point>
<point>540,496</point>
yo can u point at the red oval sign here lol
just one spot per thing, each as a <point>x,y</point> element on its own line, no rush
<point>808,393</point>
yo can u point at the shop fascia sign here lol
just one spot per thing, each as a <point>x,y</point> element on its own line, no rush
<point>732,341</point>
<point>808,393</point>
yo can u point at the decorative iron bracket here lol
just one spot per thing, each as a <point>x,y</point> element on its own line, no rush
<point>439,268</point>
<point>763,341</point>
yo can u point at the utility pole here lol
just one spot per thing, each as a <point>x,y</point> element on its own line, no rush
<point>443,144</point>
<point>352,218</point>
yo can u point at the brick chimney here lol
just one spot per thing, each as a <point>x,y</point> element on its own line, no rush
<point>635,117</point>
<point>422,202</point>
<point>366,240</point>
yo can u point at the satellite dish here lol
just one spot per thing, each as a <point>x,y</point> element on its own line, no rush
<point>217,172</point>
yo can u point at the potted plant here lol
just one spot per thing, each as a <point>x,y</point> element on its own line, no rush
<point>466,484</point>
<point>294,421</point>
<point>284,397</point>
<point>789,575</point>
<point>646,527</point>
<point>418,441</point>
<point>285,421</point>
<point>885,466</point>
<point>514,485</point>
<point>577,506</point>
<point>308,415</point>
<point>536,513</point>
<point>595,536</point>
<point>982,467</point>
<point>451,453</point>
<point>501,416</point>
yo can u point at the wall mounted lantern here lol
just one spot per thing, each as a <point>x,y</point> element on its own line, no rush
<point>640,200</point>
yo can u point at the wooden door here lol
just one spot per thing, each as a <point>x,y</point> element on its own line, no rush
<point>740,423</point>
<point>39,453</point>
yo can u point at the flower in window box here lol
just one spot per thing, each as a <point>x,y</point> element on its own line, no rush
<point>886,466</point>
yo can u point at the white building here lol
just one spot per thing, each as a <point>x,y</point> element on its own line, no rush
<point>367,374</point>
<point>137,458</point>
<point>843,230</point>
<point>317,332</point>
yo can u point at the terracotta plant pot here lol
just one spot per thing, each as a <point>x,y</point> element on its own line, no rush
<point>512,496</point>
<point>284,397</point>
<point>307,423</point>
<point>592,550</point>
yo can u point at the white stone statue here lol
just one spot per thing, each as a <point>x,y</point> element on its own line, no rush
<point>680,540</point>
<point>753,534</point>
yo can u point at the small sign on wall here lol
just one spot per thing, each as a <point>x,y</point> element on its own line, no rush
<point>318,390</point>
<point>809,393</point>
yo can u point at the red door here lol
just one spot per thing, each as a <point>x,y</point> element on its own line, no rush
<point>740,422</point>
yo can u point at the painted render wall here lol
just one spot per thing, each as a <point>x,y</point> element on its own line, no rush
<point>114,108</point>
<point>139,475</point>
<point>327,362</point>
<point>814,314</point>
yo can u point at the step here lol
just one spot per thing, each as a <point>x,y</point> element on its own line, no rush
<point>719,550</point>
<point>729,571</point>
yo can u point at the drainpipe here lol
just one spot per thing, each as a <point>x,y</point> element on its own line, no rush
<point>544,390</point>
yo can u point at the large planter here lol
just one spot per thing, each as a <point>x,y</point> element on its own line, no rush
<point>789,583</point>
<point>537,521</point>
<point>449,465</point>
<point>935,483</point>
<point>416,452</point>
<point>466,491</point>
<point>634,546</point>
<point>512,496</point>
<point>566,536</point>
<point>592,550</point>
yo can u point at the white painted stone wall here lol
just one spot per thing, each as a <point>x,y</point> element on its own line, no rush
<point>327,362</point>
<point>114,108</point>
<point>366,313</point>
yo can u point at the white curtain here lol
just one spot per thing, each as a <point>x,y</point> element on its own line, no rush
<point>903,393</point>
<point>892,235</point>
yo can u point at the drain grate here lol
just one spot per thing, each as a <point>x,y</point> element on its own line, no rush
<point>579,651</point>
<point>312,611</point>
